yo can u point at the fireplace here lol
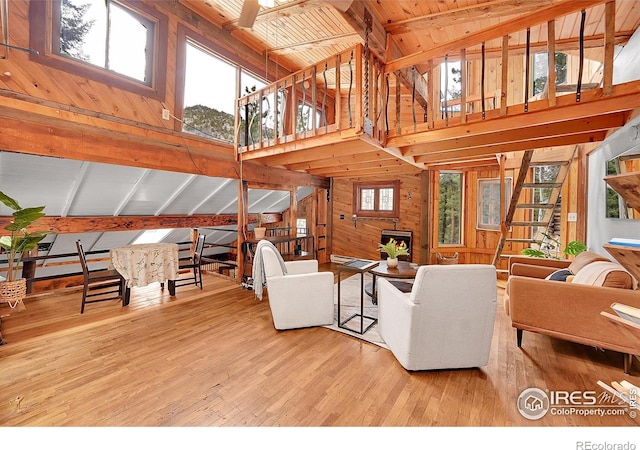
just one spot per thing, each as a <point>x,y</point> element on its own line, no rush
<point>398,235</point>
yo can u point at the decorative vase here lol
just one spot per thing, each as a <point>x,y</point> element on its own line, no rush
<point>259,232</point>
<point>392,263</point>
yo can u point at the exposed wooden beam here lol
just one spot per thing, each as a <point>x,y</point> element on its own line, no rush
<point>533,132</point>
<point>348,159</point>
<point>34,129</point>
<point>355,15</point>
<point>516,146</point>
<point>465,14</point>
<point>518,24</point>
<point>64,225</point>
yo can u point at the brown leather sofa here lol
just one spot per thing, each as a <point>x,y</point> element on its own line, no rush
<point>569,310</point>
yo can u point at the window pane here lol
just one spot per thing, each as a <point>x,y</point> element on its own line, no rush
<point>489,202</point>
<point>209,95</point>
<point>366,199</point>
<point>127,50</point>
<point>386,199</point>
<point>83,28</point>
<point>449,209</point>
<point>84,32</point>
<point>259,126</point>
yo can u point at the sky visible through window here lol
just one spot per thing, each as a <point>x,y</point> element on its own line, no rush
<point>127,39</point>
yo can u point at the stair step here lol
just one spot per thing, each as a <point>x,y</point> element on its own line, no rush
<point>536,205</point>
<point>541,185</point>
<point>548,163</point>
<point>524,241</point>
<point>502,271</point>
<point>530,224</point>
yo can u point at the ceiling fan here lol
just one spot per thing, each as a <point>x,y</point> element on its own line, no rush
<point>250,9</point>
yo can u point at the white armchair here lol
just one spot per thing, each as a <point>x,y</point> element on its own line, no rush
<point>303,297</point>
<point>445,322</point>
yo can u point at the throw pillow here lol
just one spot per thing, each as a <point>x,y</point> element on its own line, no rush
<point>559,275</point>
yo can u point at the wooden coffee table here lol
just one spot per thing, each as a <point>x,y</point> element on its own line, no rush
<point>404,271</point>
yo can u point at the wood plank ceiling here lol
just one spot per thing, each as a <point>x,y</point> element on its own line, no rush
<point>298,33</point>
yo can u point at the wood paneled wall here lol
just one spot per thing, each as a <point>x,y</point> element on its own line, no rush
<point>361,240</point>
<point>45,82</point>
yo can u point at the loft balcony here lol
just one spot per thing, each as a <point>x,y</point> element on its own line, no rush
<point>352,114</point>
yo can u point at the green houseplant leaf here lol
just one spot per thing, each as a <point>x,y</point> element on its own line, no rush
<point>394,249</point>
<point>20,240</point>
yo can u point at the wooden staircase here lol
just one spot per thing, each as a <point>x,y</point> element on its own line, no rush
<point>537,193</point>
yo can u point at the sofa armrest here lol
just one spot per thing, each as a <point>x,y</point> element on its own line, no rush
<point>570,311</point>
<point>396,319</point>
<point>528,270</point>
<point>555,264</point>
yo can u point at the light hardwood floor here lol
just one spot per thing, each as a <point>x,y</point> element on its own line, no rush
<point>213,358</point>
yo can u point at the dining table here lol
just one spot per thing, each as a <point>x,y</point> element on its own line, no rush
<point>143,264</point>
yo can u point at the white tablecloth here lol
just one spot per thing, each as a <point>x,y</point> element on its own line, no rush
<point>142,264</point>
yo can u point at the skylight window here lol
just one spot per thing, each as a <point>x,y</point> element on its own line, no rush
<point>152,236</point>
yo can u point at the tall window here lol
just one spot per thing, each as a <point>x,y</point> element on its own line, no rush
<point>450,208</point>
<point>380,199</point>
<point>106,34</point>
<point>541,70</point>
<point>209,94</point>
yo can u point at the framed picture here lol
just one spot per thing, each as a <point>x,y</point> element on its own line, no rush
<point>489,202</point>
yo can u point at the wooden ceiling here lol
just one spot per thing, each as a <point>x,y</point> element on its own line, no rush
<point>298,33</point>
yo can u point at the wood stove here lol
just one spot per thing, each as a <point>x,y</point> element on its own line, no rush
<point>398,235</point>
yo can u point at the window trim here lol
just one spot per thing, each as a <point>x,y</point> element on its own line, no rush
<point>42,17</point>
<point>377,185</point>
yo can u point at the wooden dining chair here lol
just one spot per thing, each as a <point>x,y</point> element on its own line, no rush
<point>192,265</point>
<point>99,285</point>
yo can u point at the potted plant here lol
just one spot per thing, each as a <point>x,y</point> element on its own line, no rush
<point>259,231</point>
<point>573,248</point>
<point>18,242</point>
<point>394,249</point>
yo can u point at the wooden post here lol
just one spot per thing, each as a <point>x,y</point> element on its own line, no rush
<point>430,95</point>
<point>243,213</point>
<point>609,46</point>
<point>551,58</point>
<point>463,86</point>
<point>505,76</point>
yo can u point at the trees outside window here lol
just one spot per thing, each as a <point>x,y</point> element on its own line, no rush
<point>450,208</point>
<point>540,68</point>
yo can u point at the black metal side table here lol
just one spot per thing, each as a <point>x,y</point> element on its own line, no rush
<point>360,266</point>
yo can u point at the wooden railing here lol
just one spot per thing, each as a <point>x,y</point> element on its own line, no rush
<point>356,91</point>
<point>315,101</point>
